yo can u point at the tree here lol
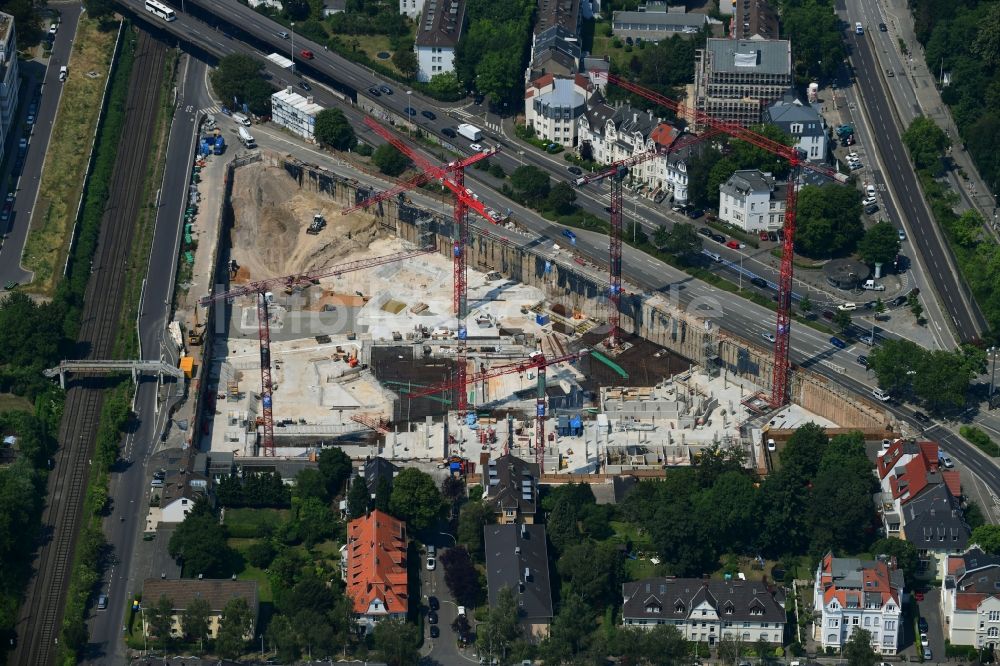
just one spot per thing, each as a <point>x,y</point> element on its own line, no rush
<point>905,553</point>
<point>660,237</point>
<point>843,480</point>
<point>239,79</point>
<point>383,495</point>
<point>309,483</point>
<point>531,183</point>
<point>159,617</point>
<point>562,524</point>
<point>100,9</point>
<point>282,635</point>
<point>560,198</point>
<point>333,130</point>
<point>397,641</point>
<point>445,86</point>
<point>314,521</point>
<point>586,151</point>
<point>452,488</point>
<point>892,362</point>
<point>261,554</point>
<point>842,320</point>
<point>498,75</point>
<point>926,143</point>
<point>194,621</point>
<point>943,378</point>
<point>728,507</point>
<point>829,221</point>
<point>501,626</point>
<point>780,509</point>
<point>987,537</point>
<point>805,304</point>
<point>879,309</point>
<point>858,649</point>
<point>235,625</point>
<point>730,649</point>
<point>405,61</point>
<point>461,576</point>
<point>358,498</point>
<point>570,630</point>
<point>593,570</point>
<point>880,244</point>
<point>389,160</point>
<point>473,517</point>
<point>336,468</point>
<point>683,241</point>
<point>200,544</point>
<point>416,499</point>
<point>802,453</point>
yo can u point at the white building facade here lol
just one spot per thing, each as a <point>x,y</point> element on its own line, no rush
<point>411,8</point>
<point>10,80</point>
<point>295,113</point>
<point>851,594</point>
<point>553,107</point>
<point>438,31</point>
<point>752,201</point>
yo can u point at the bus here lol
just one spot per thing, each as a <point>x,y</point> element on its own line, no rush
<point>161,10</point>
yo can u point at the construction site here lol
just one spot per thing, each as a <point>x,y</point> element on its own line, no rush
<point>355,330</point>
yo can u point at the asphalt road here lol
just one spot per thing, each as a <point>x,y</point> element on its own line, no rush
<point>921,228</point>
<point>129,482</point>
<point>16,229</point>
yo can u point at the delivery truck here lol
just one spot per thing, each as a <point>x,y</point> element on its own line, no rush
<point>241,119</point>
<point>470,132</point>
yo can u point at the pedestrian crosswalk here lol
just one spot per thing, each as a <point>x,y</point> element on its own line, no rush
<point>211,110</point>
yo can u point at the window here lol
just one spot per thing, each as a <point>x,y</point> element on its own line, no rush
<point>831,638</point>
<point>993,632</point>
<point>994,616</point>
<point>890,625</point>
<point>854,620</point>
<point>868,622</point>
<point>834,622</point>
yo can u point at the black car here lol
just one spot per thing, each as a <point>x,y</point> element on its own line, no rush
<point>429,115</point>
<point>575,170</point>
<point>921,417</point>
<point>305,86</point>
<point>478,99</point>
<point>863,360</point>
<point>696,213</point>
<point>718,238</point>
<point>449,132</point>
<point>374,91</point>
<point>705,231</point>
<point>410,111</point>
<point>922,625</point>
<point>386,89</point>
<point>882,27</point>
<point>898,301</point>
<point>432,618</point>
<point>433,603</point>
<point>772,236</point>
<point>871,208</point>
<point>435,632</point>
<point>870,305</point>
<point>759,282</point>
<point>828,314</point>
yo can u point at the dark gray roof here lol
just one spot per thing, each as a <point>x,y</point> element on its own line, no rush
<point>541,64</point>
<point>376,469</point>
<point>934,520</point>
<point>441,23</point>
<point>565,13</point>
<point>517,557</point>
<point>676,597</point>
<point>657,20</point>
<point>512,483</point>
<point>559,38</point>
<point>746,56</point>
<point>785,114</point>
<point>975,560</point>
<point>626,119</point>
<point>756,18</point>
<point>745,181</point>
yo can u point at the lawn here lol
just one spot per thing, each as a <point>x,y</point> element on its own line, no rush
<point>263,582</point>
<point>10,402</point>
<point>627,532</point>
<point>70,144</point>
<point>253,523</point>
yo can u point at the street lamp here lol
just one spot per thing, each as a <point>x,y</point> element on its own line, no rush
<point>408,93</point>
<point>454,540</point>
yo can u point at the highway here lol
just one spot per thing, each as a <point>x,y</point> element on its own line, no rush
<point>15,231</point>
<point>921,228</point>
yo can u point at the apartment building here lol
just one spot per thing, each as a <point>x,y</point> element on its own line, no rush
<point>752,201</point>
<point>438,31</point>
<point>970,599</point>
<point>735,79</point>
<point>374,568</point>
<point>552,107</point>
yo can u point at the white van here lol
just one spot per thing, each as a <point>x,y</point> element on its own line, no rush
<point>63,73</point>
<point>879,394</point>
<point>858,29</point>
<point>241,119</point>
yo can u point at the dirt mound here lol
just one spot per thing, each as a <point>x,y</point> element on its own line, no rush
<point>271,217</point>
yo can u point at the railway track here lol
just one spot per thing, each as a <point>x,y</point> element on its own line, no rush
<point>40,616</point>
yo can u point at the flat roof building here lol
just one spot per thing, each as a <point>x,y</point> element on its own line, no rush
<point>735,79</point>
<point>295,112</point>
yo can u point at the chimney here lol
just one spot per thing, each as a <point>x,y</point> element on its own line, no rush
<point>288,89</point>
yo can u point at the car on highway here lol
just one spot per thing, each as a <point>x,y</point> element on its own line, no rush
<point>945,460</point>
<point>866,339</point>
<point>449,132</point>
<point>307,54</point>
<point>570,235</point>
<point>889,72</point>
<point>718,238</point>
<point>305,86</point>
<point>575,170</point>
<point>102,602</point>
<point>921,417</point>
<point>902,235</point>
<point>478,147</point>
<point>767,335</point>
<point>31,119</point>
<point>429,115</point>
<point>871,209</point>
<point>881,395</point>
<point>758,282</point>
<point>282,34</point>
<point>432,618</point>
<point>762,236</point>
<point>374,92</point>
<point>705,231</point>
<point>385,89</point>
<point>8,207</point>
<point>863,360</point>
<point>847,307</point>
<point>410,111</point>
<point>696,213</point>
<point>435,631</point>
<point>838,343</point>
<point>882,27</point>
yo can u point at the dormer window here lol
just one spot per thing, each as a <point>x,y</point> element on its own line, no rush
<point>679,608</point>
<point>653,608</point>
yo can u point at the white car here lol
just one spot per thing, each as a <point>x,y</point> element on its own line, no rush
<point>767,336</point>
<point>847,307</point>
<point>853,157</point>
<point>477,147</point>
<point>871,190</point>
<point>868,201</point>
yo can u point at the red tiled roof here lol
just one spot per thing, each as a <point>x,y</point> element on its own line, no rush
<point>968,601</point>
<point>953,480</point>
<point>664,134</point>
<point>929,450</point>
<point>376,562</point>
<point>955,564</point>
<point>543,80</point>
<point>911,481</point>
<point>876,579</point>
<point>887,460</point>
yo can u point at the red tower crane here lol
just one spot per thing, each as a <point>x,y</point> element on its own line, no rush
<point>779,381</point>
<point>463,202</point>
<point>261,289</point>
<point>617,171</point>
<point>536,361</point>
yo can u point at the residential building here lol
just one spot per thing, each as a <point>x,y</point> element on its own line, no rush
<point>655,21</point>
<point>752,201</point>
<point>10,80</point>
<point>920,501</point>
<point>295,112</point>
<point>849,594</point>
<point>552,107</point>
<point>412,8</point>
<point>512,489</point>
<point>376,470</point>
<point>182,592</point>
<point>735,79</point>
<point>554,51</point>
<point>374,568</point>
<point>706,611</point>
<point>517,558</point>
<point>438,31</point>
<point>970,599</point>
<point>755,18</point>
<point>803,123</point>
<point>563,13</point>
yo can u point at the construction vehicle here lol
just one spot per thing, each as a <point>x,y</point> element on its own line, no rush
<point>317,225</point>
<point>246,137</point>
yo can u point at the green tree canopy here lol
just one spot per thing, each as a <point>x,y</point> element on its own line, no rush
<point>239,79</point>
<point>829,221</point>
<point>194,620</point>
<point>531,183</point>
<point>397,642</point>
<point>880,244</point>
<point>473,517</point>
<point>334,130</point>
<point>315,522</point>
<point>416,499</point>
<point>234,628</point>
<point>358,498</point>
<point>310,483</point>
<point>200,544</point>
<point>987,537</point>
<point>905,553</point>
<point>858,649</point>
<point>927,143</point>
<point>682,241</point>
<point>560,198</point>
<point>389,160</point>
<point>445,86</point>
<point>336,468</point>
<point>461,576</point>
<point>405,61</point>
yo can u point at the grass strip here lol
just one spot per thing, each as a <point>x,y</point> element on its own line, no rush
<point>64,173</point>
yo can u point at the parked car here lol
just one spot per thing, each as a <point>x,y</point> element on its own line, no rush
<point>863,360</point>
<point>882,396</point>
<point>928,655</point>
<point>733,244</point>
<point>827,314</point>
<point>945,460</point>
<point>575,170</point>
<point>759,282</point>
<point>432,618</point>
<point>898,301</point>
<point>902,235</point>
<point>435,631</point>
<point>386,89</point>
<point>781,234</point>
<point>449,132</point>
<point>718,238</point>
<point>429,115</point>
<point>8,207</point>
<point>922,622</point>
<point>847,307</point>
<point>478,147</point>
<point>921,417</point>
<point>838,343</point>
<point>772,236</point>
<point>763,236</point>
<point>868,201</point>
<point>705,231</point>
<point>871,209</point>
<point>696,213</point>
<point>478,99</point>
<point>102,602</point>
<point>433,603</point>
